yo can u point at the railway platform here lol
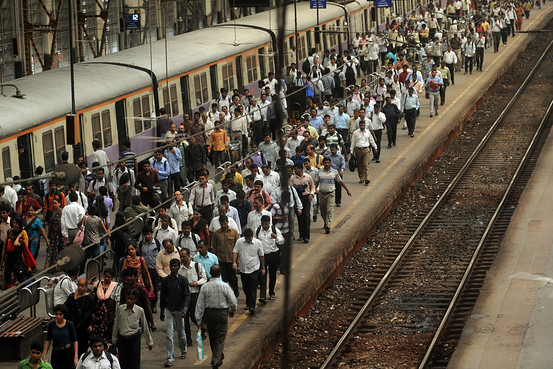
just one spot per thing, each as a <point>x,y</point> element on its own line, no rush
<point>316,263</point>
<point>510,325</point>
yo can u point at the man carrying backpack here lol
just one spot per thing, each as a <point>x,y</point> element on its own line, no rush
<point>98,357</point>
<point>271,238</point>
<point>149,247</point>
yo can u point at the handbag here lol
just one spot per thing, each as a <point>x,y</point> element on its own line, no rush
<point>352,163</point>
<point>79,237</point>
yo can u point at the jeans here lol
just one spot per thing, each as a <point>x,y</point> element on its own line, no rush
<point>172,317</point>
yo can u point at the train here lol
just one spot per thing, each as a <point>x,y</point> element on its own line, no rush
<point>117,97</point>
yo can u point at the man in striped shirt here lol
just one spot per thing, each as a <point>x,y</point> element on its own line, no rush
<point>328,178</point>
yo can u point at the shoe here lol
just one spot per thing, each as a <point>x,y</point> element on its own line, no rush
<point>154,310</point>
<point>252,311</point>
<point>442,103</point>
<point>314,218</point>
<point>247,308</point>
<point>436,113</point>
<point>184,355</point>
<point>306,240</point>
<point>327,229</point>
<point>168,363</point>
<point>360,181</point>
<point>367,182</point>
<point>411,135</point>
<point>204,336</point>
<point>389,146</point>
<point>272,296</point>
<point>262,301</point>
<point>431,115</point>
<point>378,161</point>
<point>338,205</point>
<point>300,239</point>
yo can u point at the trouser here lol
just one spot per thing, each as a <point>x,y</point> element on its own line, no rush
<point>432,33</point>
<point>436,59</point>
<point>496,37</point>
<point>479,58</point>
<point>504,35</point>
<point>383,57</point>
<point>468,64</point>
<point>172,319</point>
<point>314,206</point>
<point>163,186</point>
<point>71,233</point>
<point>284,250</point>
<point>442,92</point>
<point>512,25</point>
<point>274,126</point>
<point>217,325</point>
<point>175,182</point>
<point>518,24</point>
<point>527,14</point>
<point>218,158</point>
<point>257,131</point>
<point>249,284</point>
<point>434,101</point>
<point>129,351</point>
<point>338,197</point>
<point>391,132</point>
<point>229,276</point>
<point>192,175</point>
<point>191,315</point>
<point>458,55</point>
<point>304,220</point>
<point>411,119</point>
<point>362,155</point>
<point>271,266</point>
<point>373,66</point>
<point>378,140</point>
<point>207,213</point>
<point>155,281</point>
<point>327,206</point>
<point>63,359</point>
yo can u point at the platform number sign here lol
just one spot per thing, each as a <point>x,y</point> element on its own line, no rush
<point>318,4</point>
<point>132,21</point>
<point>382,3</point>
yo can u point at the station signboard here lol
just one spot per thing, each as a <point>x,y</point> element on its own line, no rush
<point>318,4</point>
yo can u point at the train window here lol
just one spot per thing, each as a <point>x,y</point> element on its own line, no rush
<point>261,54</point>
<point>6,162</point>
<point>48,148</point>
<point>166,101</point>
<point>251,67</point>
<point>59,136</point>
<point>146,111</point>
<point>228,76</point>
<point>106,126</point>
<point>137,113</point>
<point>302,49</point>
<point>174,99</point>
<point>200,88</point>
<point>96,127</point>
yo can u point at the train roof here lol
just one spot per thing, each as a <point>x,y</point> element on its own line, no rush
<point>48,96</point>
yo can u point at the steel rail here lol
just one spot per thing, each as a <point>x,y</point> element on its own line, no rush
<point>372,298</point>
<point>462,284</point>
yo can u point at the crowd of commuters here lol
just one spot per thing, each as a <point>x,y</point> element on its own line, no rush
<point>186,254</point>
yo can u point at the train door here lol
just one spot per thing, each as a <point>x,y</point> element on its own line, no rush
<point>262,66</point>
<point>78,148</point>
<point>239,74</point>
<point>214,78</point>
<point>340,36</point>
<point>120,117</point>
<point>309,43</point>
<point>185,94</point>
<point>25,153</point>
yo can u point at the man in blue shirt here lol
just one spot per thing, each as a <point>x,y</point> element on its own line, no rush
<point>205,258</point>
<point>338,163</point>
<point>160,166</point>
<point>174,157</point>
<point>433,86</point>
<point>315,120</point>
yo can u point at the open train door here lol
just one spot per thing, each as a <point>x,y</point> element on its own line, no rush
<point>25,153</point>
<point>120,117</point>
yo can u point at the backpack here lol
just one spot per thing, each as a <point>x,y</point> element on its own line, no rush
<point>350,73</point>
<point>306,66</point>
<point>108,355</point>
<point>181,236</point>
<point>273,229</point>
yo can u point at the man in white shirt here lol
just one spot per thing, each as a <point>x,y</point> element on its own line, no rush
<point>187,239</point>
<point>254,217</point>
<point>272,239</point>
<point>361,143</point>
<point>249,260</point>
<point>270,178</point>
<point>225,191</point>
<point>66,286</point>
<point>98,357</point>
<point>8,195</point>
<point>216,225</point>
<point>71,215</point>
<point>165,232</point>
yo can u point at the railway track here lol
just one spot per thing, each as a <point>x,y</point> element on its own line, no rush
<point>421,293</point>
